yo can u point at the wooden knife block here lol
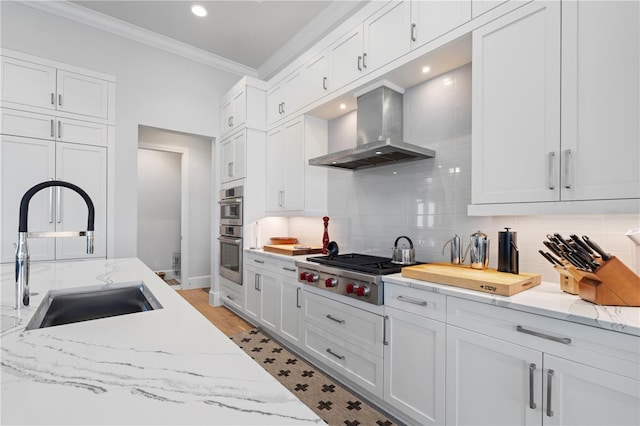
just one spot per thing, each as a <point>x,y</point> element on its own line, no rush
<point>613,283</point>
<point>568,283</point>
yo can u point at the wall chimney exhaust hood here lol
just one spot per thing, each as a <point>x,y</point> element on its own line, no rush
<point>379,137</point>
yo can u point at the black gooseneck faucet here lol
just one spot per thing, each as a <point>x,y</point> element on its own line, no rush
<point>22,249</point>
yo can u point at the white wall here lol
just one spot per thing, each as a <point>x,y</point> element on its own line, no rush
<point>427,199</point>
<point>159,203</point>
<point>153,88</point>
<point>198,149</point>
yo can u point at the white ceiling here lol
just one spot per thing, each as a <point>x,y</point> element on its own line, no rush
<point>264,35</point>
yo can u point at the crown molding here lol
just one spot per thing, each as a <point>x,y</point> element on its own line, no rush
<point>327,20</point>
<point>120,28</point>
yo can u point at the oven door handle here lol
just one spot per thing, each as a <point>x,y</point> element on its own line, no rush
<point>230,201</point>
<point>230,240</point>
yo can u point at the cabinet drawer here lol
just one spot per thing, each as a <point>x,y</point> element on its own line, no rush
<point>232,298</point>
<point>279,266</point>
<point>28,124</point>
<point>361,367</point>
<point>609,350</point>
<point>363,329</point>
<point>420,302</point>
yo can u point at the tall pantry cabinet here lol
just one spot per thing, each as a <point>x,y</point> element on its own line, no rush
<point>57,123</point>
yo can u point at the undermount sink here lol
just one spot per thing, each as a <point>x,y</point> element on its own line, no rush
<point>73,305</point>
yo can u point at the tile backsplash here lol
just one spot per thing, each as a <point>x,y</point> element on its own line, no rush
<point>427,200</point>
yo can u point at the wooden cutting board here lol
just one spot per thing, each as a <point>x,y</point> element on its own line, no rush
<point>290,250</point>
<point>486,280</point>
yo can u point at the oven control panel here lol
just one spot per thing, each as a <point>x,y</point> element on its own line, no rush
<point>363,290</point>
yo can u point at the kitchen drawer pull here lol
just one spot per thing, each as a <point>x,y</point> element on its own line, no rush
<point>567,157</point>
<point>413,32</point>
<point>289,269</point>
<point>364,60</point>
<point>549,410</point>
<point>256,282</point>
<point>52,130</point>
<point>564,340</point>
<point>385,341</point>
<point>341,321</point>
<point>258,261</point>
<point>411,300</point>
<point>283,108</point>
<point>298,305</point>
<point>59,129</point>
<point>53,98</point>
<point>60,100</point>
<point>230,297</point>
<point>552,184</point>
<point>231,120</point>
<point>341,357</point>
<point>230,169</point>
<point>359,63</point>
<point>324,83</point>
<point>532,369</point>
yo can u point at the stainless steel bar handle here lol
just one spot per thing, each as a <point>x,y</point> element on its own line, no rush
<point>567,157</point>
<point>563,340</point>
<point>341,357</point>
<point>359,63</point>
<point>53,98</point>
<point>289,269</point>
<point>552,183</point>
<point>258,261</point>
<point>230,169</point>
<point>340,321</point>
<point>60,100</point>
<point>51,203</point>
<point>298,297</point>
<point>413,32</point>
<point>256,282</point>
<point>230,297</point>
<point>532,369</point>
<point>364,60</point>
<point>52,129</point>
<point>324,83</point>
<point>385,341</point>
<point>59,129</point>
<point>549,377</point>
<point>283,107</point>
<point>411,300</point>
<point>231,121</point>
<point>58,204</point>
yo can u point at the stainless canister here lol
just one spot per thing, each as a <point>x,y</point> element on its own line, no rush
<point>479,250</point>
<point>456,249</point>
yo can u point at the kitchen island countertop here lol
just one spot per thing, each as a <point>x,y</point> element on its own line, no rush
<point>166,366</point>
<point>544,299</point>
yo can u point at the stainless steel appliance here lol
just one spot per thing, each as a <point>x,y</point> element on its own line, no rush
<point>356,276</point>
<point>231,234</point>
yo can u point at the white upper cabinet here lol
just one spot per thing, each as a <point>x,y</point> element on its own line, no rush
<point>556,118</point>
<point>285,97</point>
<point>233,159</point>
<point>234,110</point>
<point>600,100</point>
<point>243,105</point>
<point>386,35</point>
<point>345,58</point>
<point>431,19</point>
<point>315,77</point>
<point>39,87</point>
<point>516,106</point>
<point>478,7</point>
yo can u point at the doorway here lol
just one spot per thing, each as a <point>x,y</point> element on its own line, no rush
<point>175,194</point>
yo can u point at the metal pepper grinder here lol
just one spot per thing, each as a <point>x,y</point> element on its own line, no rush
<point>325,236</point>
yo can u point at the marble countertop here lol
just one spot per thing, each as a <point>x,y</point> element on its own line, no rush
<point>544,299</point>
<point>166,366</point>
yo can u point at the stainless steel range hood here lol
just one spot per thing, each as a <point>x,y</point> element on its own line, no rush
<point>379,137</point>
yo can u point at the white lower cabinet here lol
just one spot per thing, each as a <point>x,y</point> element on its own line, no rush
<point>291,312</point>
<point>414,355</point>
<point>506,367</point>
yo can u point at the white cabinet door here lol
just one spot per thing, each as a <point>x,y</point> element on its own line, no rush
<point>345,58</point>
<point>25,163</point>
<point>81,94</point>
<point>269,301</point>
<point>293,92</point>
<point>516,106</point>
<point>83,132</point>
<point>233,160</point>
<point>415,366</point>
<point>387,35</point>
<point>316,78</point>
<point>291,312</point>
<point>275,103</point>
<point>28,83</point>
<point>490,381</point>
<point>584,395</point>
<point>28,124</point>
<point>86,167</point>
<point>600,100</point>
<point>431,19</point>
<point>251,284</point>
<point>239,108</point>
<point>226,112</point>
<point>285,167</point>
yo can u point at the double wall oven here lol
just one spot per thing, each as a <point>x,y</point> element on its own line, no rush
<point>231,234</point>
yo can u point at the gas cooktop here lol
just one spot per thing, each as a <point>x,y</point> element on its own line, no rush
<point>359,262</point>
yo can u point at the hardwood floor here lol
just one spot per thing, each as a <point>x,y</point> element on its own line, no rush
<point>228,322</point>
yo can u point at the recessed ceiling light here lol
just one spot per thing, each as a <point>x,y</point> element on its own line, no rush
<point>425,70</point>
<point>198,10</point>
<point>378,152</point>
<point>343,106</point>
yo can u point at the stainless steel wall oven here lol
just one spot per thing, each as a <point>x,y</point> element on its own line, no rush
<point>231,234</point>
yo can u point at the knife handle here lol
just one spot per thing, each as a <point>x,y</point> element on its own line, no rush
<point>603,254</point>
<point>581,243</point>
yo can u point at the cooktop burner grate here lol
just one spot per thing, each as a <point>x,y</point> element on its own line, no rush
<point>359,262</point>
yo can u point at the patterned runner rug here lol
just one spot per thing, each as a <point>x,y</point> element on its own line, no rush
<point>328,399</point>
